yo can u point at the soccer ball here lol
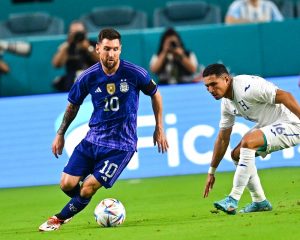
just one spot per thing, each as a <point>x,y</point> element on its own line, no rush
<point>110,212</point>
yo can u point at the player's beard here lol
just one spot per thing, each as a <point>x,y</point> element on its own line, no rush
<point>109,64</point>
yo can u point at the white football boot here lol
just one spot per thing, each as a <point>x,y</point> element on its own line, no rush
<point>52,224</point>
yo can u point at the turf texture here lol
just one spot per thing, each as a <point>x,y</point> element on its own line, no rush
<point>166,208</point>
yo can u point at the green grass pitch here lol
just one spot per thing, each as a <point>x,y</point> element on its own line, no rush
<point>167,208</point>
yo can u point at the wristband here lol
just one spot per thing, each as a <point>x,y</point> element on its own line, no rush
<point>212,170</point>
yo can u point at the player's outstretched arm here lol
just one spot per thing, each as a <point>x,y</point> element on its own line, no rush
<point>288,100</point>
<point>220,148</point>
<point>159,137</point>
<point>59,140</point>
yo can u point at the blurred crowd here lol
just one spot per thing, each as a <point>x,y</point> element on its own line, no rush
<point>173,63</point>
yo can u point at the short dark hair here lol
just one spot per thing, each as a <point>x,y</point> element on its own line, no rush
<point>215,69</point>
<point>110,34</point>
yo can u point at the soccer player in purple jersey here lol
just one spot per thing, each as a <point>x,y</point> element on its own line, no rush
<point>99,159</point>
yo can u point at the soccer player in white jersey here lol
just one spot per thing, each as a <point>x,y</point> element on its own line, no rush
<point>276,113</point>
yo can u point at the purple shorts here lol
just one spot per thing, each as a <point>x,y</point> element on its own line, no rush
<point>106,164</point>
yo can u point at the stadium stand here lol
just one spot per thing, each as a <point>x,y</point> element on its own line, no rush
<point>102,17</point>
<point>286,7</point>
<point>258,45</point>
<point>298,9</point>
<point>31,24</point>
<point>186,13</point>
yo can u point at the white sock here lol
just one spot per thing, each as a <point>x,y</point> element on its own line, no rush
<point>254,186</point>
<point>243,172</point>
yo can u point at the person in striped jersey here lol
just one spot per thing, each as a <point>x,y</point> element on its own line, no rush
<point>252,11</point>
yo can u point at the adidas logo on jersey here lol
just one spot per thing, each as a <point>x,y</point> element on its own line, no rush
<point>98,90</point>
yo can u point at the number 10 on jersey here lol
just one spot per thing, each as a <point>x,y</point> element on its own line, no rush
<point>111,104</point>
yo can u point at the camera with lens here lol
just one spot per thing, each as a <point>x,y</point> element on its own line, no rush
<point>78,37</point>
<point>17,47</point>
<point>173,45</point>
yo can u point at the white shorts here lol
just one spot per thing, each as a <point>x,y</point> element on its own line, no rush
<point>280,135</point>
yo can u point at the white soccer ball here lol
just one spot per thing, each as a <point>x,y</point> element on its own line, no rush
<point>110,212</point>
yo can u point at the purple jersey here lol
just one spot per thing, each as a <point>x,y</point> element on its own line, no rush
<point>115,99</point>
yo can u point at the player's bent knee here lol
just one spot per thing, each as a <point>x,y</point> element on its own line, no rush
<point>66,186</point>
<point>248,142</point>
<point>235,155</point>
<point>88,191</point>
<point>253,140</point>
<point>69,182</point>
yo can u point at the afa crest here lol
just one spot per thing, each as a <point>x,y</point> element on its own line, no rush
<point>111,88</point>
<point>124,87</point>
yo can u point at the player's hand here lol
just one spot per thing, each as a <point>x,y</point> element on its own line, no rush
<point>84,44</point>
<point>209,184</point>
<point>179,51</point>
<point>160,139</point>
<point>58,145</point>
<point>166,46</point>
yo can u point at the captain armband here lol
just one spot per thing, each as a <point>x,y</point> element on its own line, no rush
<point>150,89</point>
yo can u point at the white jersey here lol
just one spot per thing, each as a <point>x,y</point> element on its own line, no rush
<point>254,99</point>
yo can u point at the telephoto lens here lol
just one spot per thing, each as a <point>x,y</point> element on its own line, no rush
<point>16,47</point>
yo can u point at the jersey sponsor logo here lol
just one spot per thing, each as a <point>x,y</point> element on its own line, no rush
<point>98,90</point>
<point>111,88</point>
<point>124,87</point>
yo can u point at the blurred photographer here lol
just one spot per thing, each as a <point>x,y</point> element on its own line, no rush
<point>76,54</point>
<point>173,64</point>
